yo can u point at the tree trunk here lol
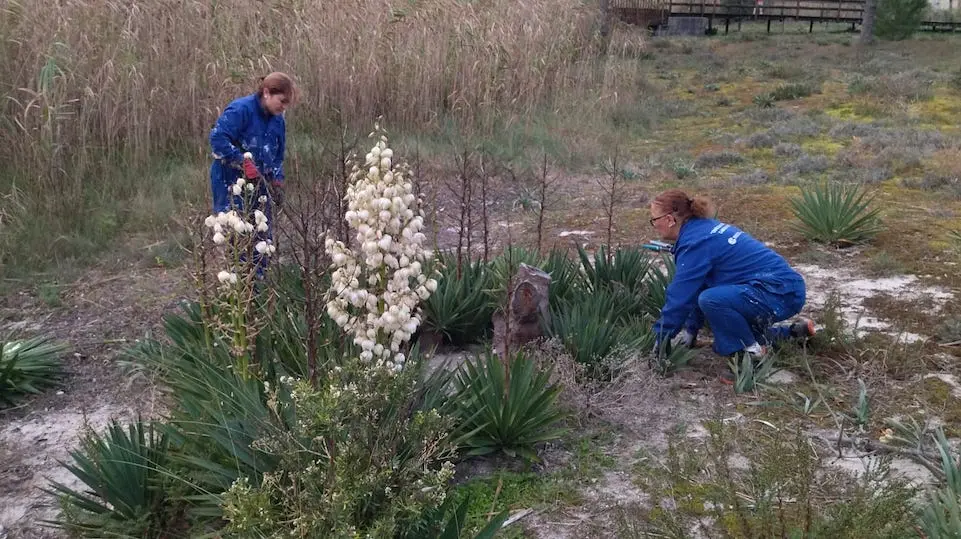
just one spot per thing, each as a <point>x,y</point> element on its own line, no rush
<point>867,22</point>
<point>528,311</point>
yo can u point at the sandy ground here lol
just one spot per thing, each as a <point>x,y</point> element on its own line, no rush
<point>99,316</point>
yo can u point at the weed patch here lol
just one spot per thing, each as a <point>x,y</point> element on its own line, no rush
<point>755,177</point>
<point>806,164</point>
<point>718,159</point>
<point>762,139</point>
<point>701,486</point>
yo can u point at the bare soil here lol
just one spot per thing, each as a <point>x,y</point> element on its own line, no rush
<point>99,316</point>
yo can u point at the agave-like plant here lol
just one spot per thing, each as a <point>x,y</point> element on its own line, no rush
<point>122,472</point>
<point>28,366</point>
<point>597,325</point>
<point>671,359</point>
<point>624,268</point>
<point>748,373</point>
<point>941,516</point>
<point>656,292</point>
<point>955,237</point>
<point>460,309</point>
<point>567,280</point>
<point>836,214</point>
<point>506,405</point>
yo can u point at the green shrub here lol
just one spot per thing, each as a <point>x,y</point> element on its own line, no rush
<point>124,480</point>
<point>797,90</point>
<point>721,158</point>
<point>955,80</point>
<point>899,19</point>
<point>460,309</point>
<point>368,455</point>
<point>911,86</point>
<point>507,406</point>
<point>28,367</point>
<point>836,214</point>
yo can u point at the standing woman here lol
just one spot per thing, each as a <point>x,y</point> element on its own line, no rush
<point>724,275</point>
<point>252,124</point>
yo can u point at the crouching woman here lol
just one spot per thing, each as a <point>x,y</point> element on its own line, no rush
<point>725,276</point>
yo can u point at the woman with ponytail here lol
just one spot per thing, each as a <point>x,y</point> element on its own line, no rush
<point>722,274</point>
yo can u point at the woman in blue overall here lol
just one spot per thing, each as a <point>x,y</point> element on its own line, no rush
<point>252,124</point>
<point>724,275</point>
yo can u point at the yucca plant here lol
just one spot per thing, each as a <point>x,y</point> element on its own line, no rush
<point>460,309</point>
<point>216,414</point>
<point>506,405</point>
<point>450,522</point>
<point>748,373</point>
<point>123,472</point>
<point>671,359</point>
<point>941,516</point>
<point>596,326</point>
<point>624,268</point>
<point>658,279</point>
<point>28,366</point>
<point>836,214</point>
<point>567,280</point>
<point>955,237</point>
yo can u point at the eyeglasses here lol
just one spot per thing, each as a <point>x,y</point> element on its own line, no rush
<point>659,217</point>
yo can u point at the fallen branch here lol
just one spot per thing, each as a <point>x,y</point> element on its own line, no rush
<point>516,516</point>
<point>952,343</point>
<point>922,458</point>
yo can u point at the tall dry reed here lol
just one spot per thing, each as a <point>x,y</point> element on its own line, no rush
<point>93,90</point>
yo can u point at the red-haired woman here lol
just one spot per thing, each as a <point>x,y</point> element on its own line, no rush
<point>738,284</point>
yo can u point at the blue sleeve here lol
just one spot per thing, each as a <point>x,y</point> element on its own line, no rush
<point>695,321</point>
<point>694,263</point>
<point>227,132</point>
<point>278,166</point>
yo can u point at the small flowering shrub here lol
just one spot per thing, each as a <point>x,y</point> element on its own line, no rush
<point>364,458</point>
<point>376,289</point>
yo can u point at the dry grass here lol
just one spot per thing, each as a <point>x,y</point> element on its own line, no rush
<point>95,92</point>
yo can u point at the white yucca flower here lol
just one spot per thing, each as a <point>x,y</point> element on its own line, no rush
<point>227,277</point>
<point>386,223</point>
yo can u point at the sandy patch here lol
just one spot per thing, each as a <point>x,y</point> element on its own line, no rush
<point>853,289</point>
